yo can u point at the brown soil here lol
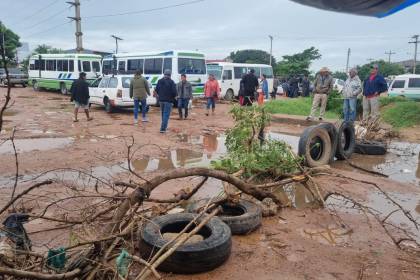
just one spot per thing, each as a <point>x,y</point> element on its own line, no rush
<point>300,243</point>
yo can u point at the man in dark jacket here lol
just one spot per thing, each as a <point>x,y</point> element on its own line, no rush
<point>166,92</point>
<point>80,95</point>
<point>184,90</point>
<point>294,87</point>
<point>306,86</point>
<point>373,86</point>
<point>250,82</point>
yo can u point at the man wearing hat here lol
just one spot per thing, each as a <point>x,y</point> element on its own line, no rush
<point>373,86</point>
<point>322,88</point>
<point>166,92</point>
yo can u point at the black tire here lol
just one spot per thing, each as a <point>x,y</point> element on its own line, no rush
<point>108,107</point>
<point>35,86</point>
<point>333,133</point>
<point>63,88</point>
<point>229,96</point>
<point>370,148</point>
<point>315,146</point>
<point>189,258</point>
<point>346,141</point>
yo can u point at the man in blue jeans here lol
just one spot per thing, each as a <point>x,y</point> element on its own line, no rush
<point>184,90</point>
<point>139,90</point>
<point>352,88</point>
<point>166,92</point>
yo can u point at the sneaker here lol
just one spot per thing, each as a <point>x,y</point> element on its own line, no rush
<point>75,120</point>
<point>320,119</point>
<point>145,120</point>
<point>89,119</point>
<point>136,121</point>
<point>308,118</point>
<point>163,131</point>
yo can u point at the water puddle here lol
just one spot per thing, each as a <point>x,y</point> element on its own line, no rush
<point>38,144</point>
<point>296,196</point>
<point>329,235</point>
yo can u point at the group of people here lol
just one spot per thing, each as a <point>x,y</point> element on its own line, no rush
<point>371,89</point>
<point>290,87</point>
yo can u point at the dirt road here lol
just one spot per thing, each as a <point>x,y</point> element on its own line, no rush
<point>299,243</point>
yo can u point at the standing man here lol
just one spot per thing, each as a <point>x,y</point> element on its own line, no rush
<point>264,86</point>
<point>139,90</point>
<point>322,88</point>
<point>276,84</point>
<point>166,92</point>
<point>251,84</point>
<point>80,95</point>
<point>352,88</point>
<point>373,86</point>
<point>184,94</point>
<point>294,86</point>
<point>305,86</point>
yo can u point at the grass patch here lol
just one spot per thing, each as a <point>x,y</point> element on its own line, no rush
<point>401,113</point>
<point>295,106</point>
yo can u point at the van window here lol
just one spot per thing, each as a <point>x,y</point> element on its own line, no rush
<point>86,66</point>
<point>239,72</point>
<point>268,71</point>
<point>257,71</point>
<point>398,84</point>
<point>107,66</point>
<point>121,66</point>
<point>104,82</point>
<point>95,66</point>
<point>95,83</point>
<point>153,66</point>
<point>191,66</point>
<point>50,65</point>
<point>71,65</point>
<point>134,64</point>
<point>167,64</point>
<point>126,81</point>
<point>113,82</point>
<point>227,75</point>
<point>414,83</point>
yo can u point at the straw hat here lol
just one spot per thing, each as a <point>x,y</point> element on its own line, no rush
<point>325,69</point>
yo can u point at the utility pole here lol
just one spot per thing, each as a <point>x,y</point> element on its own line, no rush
<point>389,55</point>
<point>116,42</point>
<point>77,19</point>
<point>348,60</point>
<point>2,30</point>
<point>271,48</point>
<point>415,42</point>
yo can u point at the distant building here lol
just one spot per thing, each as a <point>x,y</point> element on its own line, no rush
<point>22,52</point>
<point>89,52</point>
<point>408,65</point>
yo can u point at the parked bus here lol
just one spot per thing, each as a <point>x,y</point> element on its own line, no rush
<point>191,63</point>
<point>58,71</point>
<point>230,74</point>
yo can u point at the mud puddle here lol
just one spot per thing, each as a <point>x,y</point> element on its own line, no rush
<point>38,144</point>
<point>401,163</point>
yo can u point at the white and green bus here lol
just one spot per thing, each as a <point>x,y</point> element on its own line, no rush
<point>191,63</point>
<point>58,71</point>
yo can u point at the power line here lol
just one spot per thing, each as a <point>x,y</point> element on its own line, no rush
<point>147,10</point>
<point>46,30</point>
<point>37,12</point>
<point>47,19</point>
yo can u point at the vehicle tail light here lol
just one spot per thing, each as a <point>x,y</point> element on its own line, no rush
<point>119,93</point>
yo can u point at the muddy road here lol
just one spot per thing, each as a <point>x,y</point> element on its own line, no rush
<point>301,242</point>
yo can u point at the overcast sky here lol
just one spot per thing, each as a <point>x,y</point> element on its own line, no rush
<point>216,27</point>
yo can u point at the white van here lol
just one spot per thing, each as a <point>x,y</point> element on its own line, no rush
<point>58,71</point>
<point>191,63</point>
<point>114,91</point>
<point>230,74</point>
<point>405,85</point>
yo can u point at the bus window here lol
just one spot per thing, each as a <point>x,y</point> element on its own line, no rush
<point>50,65</point>
<point>86,66</point>
<point>37,64</point>
<point>79,66</point>
<point>96,66</point>
<point>239,72</point>
<point>153,66</point>
<point>65,65</point>
<point>268,71</point>
<point>42,65</point>
<point>59,65</point>
<point>121,66</point>
<point>191,66</point>
<point>134,64</point>
<point>167,64</point>
<point>227,75</point>
<point>31,66</point>
<point>257,71</point>
<point>71,65</point>
<point>107,67</point>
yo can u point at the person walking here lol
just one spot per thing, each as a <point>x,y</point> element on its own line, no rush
<point>212,93</point>
<point>276,84</point>
<point>322,88</point>
<point>80,96</point>
<point>352,88</point>
<point>251,84</point>
<point>184,94</point>
<point>139,90</point>
<point>373,86</point>
<point>264,86</point>
<point>166,92</point>
<point>306,84</point>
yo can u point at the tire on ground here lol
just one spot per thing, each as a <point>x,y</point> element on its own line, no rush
<point>189,258</point>
<point>346,140</point>
<point>332,131</point>
<point>370,148</point>
<point>315,146</point>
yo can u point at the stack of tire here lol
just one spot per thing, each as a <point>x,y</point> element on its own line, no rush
<point>321,144</point>
<point>238,218</point>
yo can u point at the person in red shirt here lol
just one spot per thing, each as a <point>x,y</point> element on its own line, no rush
<point>212,93</point>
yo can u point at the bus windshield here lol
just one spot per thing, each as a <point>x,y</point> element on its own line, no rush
<point>191,66</point>
<point>216,70</point>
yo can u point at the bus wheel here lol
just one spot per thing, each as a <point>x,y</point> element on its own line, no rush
<point>63,88</point>
<point>108,106</point>
<point>35,85</point>
<point>229,96</point>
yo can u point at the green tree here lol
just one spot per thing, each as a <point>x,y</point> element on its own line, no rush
<point>340,75</point>
<point>11,42</point>
<point>251,56</point>
<point>297,63</point>
<point>42,49</point>
<point>385,68</point>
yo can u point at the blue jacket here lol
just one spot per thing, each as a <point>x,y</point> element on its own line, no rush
<point>166,90</point>
<point>265,86</point>
<point>378,85</point>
